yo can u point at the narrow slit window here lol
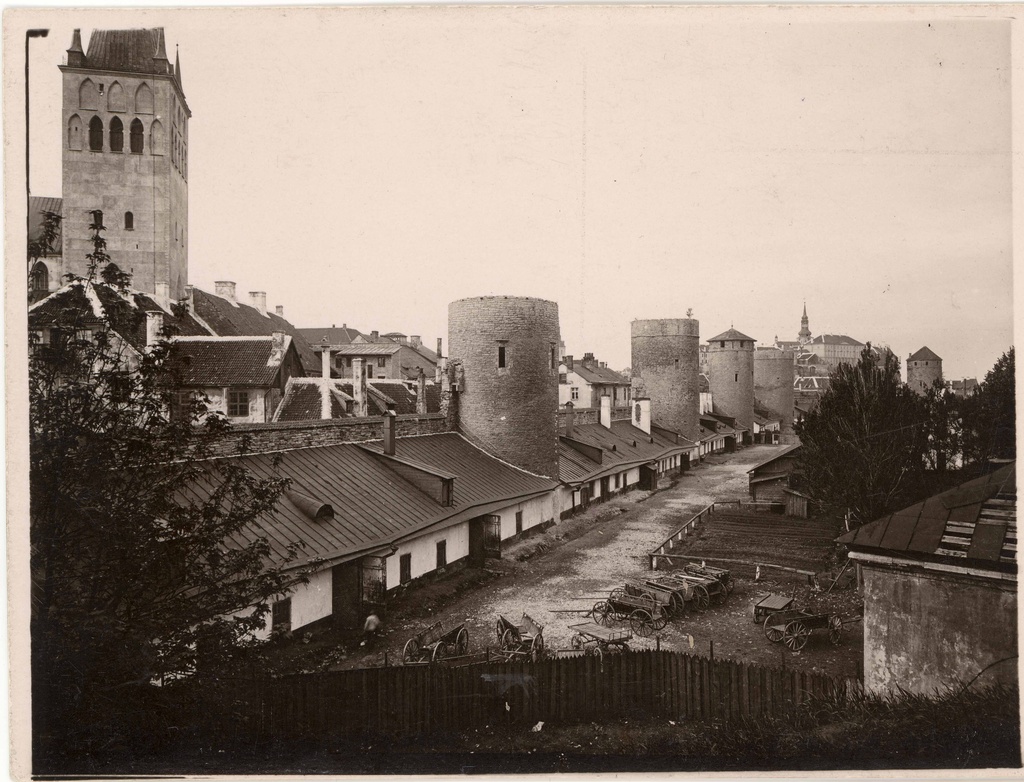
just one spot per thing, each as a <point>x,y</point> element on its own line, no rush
<point>501,356</point>
<point>129,221</point>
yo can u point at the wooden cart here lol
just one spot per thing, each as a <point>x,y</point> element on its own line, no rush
<point>770,604</point>
<point>523,640</point>
<point>794,627</point>
<point>697,591</point>
<point>642,611</point>
<point>724,577</point>
<point>598,640</point>
<point>435,644</point>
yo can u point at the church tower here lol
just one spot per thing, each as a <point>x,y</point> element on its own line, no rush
<point>805,330</point>
<point>126,155</point>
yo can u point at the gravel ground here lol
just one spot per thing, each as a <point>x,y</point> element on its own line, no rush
<point>576,562</point>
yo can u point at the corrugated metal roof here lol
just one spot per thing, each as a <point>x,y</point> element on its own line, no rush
<point>974,521</point>
<point>622,445</point>
<point>787,450</point>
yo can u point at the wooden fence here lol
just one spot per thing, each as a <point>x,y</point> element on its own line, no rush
<point>408,699</point>
<point>690,526</point>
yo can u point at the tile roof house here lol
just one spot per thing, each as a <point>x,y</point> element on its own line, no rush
<point>588,379</point>
<point>243,378</point>
<point>940,588</point>
<point>388,511</point>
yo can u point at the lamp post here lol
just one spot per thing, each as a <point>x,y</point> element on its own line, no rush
<point>35,33</point>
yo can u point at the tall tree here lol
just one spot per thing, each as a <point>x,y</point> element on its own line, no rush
<point>990,416</point>
<point>863,446</point>
<point>139,568</point>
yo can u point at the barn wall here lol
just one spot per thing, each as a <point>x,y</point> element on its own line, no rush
<point>925,631</point>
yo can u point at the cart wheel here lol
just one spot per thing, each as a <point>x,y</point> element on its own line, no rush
<point>722,596</point>
<point>577,641</point>
<point>772,633</point>
<point>601,613</point>
<point>640,622</point>
<point>440,651</point>
<point>617,594</point>
<point>796,635</point>
<point>411,651</point>
<point>678,605</point>
<point>508,640</point>
<point>729,586</point>
<point>658,621</point>
<point>537,649</point>
<point>462,642</point>
<point>835,630</point>
<point>701,601</point>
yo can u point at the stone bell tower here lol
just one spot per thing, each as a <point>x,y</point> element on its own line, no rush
<point>125,145</point>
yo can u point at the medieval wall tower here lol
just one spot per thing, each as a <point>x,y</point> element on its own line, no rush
<point>731,374</point>
<point>773,383</point>
<point>126,155</point>
<point>665,366</point>
<point>924,368</point>
<point>503,353</point>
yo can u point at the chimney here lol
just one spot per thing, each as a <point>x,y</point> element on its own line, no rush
<point>359,387</point>
<point>439,371</point>
<point>154,327</point>
<point>226,289</point>
<point>374,336</point>
<point>389,430</point>
<point>570,419</point>
<point>258,301</point>
<point>162,291</point>
<point>189,299</point>
<point>606,411</point>
<point>642,414</point>
<point>325,381</point>
<point>415,341</point>
<point>279,309</point>
<point>588,360</point>
<point>421,393</point>
<point>568,362</point>
<point>278,339</point>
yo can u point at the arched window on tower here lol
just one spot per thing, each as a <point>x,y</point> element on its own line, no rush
<point>116,135</point>
<point>96,216</point>
<point>96,134</point>
<point>156,138</point>
<point>115,98</point>
<point>88,95</point>
<point>40,279</point>
<point>75,132</point>
<point>129,221</point>
<point>143,99</point>
<point>136,137</point>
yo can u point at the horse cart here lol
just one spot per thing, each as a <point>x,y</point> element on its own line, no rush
<point>721,575</point>
<point>598,640</point>
<point>523,640</point>
<point>641,608</point>
<point>770,604</point>
<point>794,627</point>
<point>688,589</point>
<point>435,644</point>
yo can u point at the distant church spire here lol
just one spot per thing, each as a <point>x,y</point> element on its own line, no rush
<point>805,331</point>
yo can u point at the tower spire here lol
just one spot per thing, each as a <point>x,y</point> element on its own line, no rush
<point>177,65</point>
<point>76,55</point>
<point>160,55</point>
<point>804,336</point>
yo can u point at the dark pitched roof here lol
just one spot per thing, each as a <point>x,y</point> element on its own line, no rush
<point>301,400</point>
<point>731,334</point>
<point>241,320</point>
<point>596,374</point>
<point>924,354</point>
<point>367,349</point>
<point>332,335</point>
<point>835,339</point>
<point>789,450</point>
<point>976,520</point>
<point>220,361</point>
<point>134,51</point>
<point>91,304</point>
<point>623,445</point>
<point>36,207</point>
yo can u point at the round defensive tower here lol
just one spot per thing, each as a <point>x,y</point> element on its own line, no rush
<point>923,368</point>
<point>773,383</point>
<point>666,361</point>
<point>731,374</point>
<point>508,394</point>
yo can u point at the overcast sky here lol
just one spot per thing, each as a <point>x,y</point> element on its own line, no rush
<point>368,166</point>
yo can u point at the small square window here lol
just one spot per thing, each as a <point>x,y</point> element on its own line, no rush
<point>405,568</point>
<point>382,362</point>
<point>281,615</point>
<point>442,553</point>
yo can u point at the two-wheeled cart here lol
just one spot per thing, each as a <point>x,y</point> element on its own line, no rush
<point>523,640</point>
<point>794,627</point>
<point>599,640</point>
<point>643,611</point>
<point>435,644</point>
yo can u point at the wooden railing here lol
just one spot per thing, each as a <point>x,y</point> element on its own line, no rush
<point>676,537</point>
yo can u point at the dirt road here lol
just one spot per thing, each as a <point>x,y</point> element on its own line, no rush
<point>581,559</point>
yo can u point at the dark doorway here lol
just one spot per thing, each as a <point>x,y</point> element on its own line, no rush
<point>606,487</point>
<point>345,604</point>
<point>484,539</point>
<point>649,476</point>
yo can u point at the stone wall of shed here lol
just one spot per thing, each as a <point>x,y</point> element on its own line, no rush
<point>509,411</point>
<point>280,436</point>
<point>925,631</point>
<point>773,383</point>
<point>665,368</point>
